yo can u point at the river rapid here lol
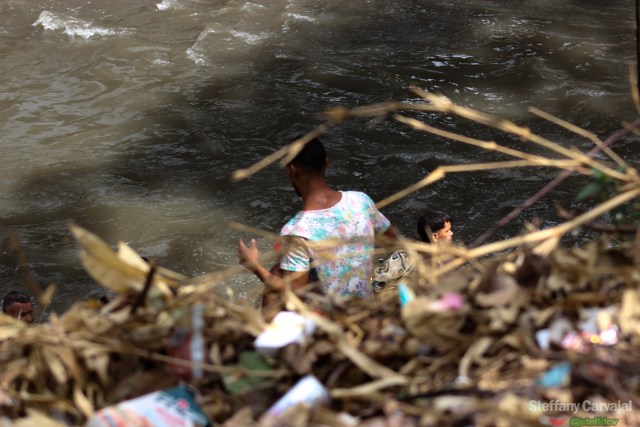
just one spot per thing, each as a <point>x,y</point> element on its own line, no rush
<point>129,117</point>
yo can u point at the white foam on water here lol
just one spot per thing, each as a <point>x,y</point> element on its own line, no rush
<point>298,17</point>
<point>195,52</point>
<point>74,27</point>
<point>200,51</point>
<point>168,4</point>
<point>249,38</point>
<point>197,57</point>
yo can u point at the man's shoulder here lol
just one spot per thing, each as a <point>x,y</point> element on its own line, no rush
<point>298,225</point>
<point>357,195</point>
<point>292,221</point>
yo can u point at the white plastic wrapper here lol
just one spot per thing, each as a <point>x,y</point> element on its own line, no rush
<point>286,328</point>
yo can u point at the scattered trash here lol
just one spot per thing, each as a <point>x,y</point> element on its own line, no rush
<point>471,347</point>
<point>449,301</point>
<point>187,342</point>
<point>596,328</point>
<point>174,407</point>
<point>308,391</point>
<point>287,327</point>
<point>391,270</point>
<point>557,376</point>
<point>405,293</point>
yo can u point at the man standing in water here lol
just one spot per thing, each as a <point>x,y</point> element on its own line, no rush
<point>333,234</point>
<point>19,305</point>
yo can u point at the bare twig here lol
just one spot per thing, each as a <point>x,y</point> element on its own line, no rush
<point>444,105</point>
<point>582,132</point>
<point>486,145</point>
<point>542,235</point>
<point>139,300</point>
<point>441,171</point>
<point>287,153</point>
<point>605,228</point>
<point>550,186</point>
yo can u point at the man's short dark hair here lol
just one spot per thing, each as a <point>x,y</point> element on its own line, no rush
<point>14,297</point>
<point>312,157</point>
<point>431,220</point>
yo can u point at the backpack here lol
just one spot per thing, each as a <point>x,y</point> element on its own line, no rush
<point>391,270</point>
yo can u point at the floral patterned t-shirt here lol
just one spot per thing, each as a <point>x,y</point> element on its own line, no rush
<point>338,241</point>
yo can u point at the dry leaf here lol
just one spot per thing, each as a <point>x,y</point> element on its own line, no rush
<point>82,403</point>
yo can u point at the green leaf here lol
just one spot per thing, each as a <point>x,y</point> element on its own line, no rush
<point>249,361</point>
<point>589,190</point>
<point>599,175</point>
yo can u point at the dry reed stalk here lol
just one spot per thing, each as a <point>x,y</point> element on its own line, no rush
<point>582,132</point>
<point>286,154</point>
<point>444,105</point>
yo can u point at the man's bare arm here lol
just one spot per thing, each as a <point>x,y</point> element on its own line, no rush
<point>390,233</point>
<point>275,278</point>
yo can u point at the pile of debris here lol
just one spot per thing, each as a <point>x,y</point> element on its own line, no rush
<point>522,339</point>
